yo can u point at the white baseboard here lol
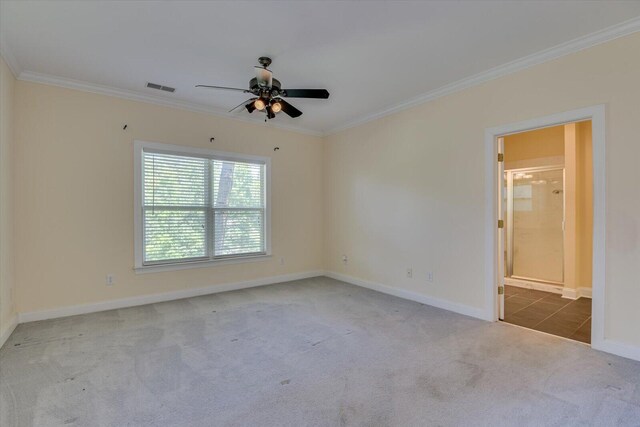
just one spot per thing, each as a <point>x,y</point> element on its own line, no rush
<point>584,292</point>
<point>581,292</point>
<point>412,296</point>
<point>570,293</point>
<point>526,284</point>
<point>608,346</point>
<point>8,329</point>
<point>619,349</point>
<point>167,296</point>
<point>576,293</point>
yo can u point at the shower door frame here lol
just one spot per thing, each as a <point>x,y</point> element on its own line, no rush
<point>510,223</point>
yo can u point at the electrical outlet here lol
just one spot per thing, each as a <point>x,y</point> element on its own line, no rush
<point>110,280</point>
<point>430,276</point>
<point>410,273</point>
<point>281,260</point>
<point>345,260</point>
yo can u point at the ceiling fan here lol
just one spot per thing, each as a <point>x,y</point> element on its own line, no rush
<point>268,93</point>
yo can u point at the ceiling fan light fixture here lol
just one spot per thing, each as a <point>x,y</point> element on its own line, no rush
<point>276,107</point>
<point>250,107</point>
<point>270,113</point>
<point>259,104</point>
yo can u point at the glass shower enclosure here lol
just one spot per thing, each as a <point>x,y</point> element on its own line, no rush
<point>534,204</point>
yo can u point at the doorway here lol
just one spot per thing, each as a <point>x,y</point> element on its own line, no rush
<point>538,281</point>
<point>548,212</point>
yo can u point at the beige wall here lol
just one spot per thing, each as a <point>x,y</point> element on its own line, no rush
<point>579,206</point>
<point>540,147</point>
<point>571,208</point>
<point>584,205</point>
<point>74,195</point>
<point>408,189</point>
<point>7,284</point>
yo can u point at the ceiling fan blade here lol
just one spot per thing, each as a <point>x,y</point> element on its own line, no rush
<point>242,103</point>
<point>289,109</point>
<point>225,88</point>
<point>305,93</point>
<point>264,77</point>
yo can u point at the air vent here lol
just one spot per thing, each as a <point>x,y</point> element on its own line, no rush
<point>160,87</point>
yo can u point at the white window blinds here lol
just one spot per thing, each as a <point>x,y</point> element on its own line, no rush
<point>201,208</point>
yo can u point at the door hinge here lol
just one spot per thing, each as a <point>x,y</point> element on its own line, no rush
<point>500,157</point>
<point>500,223</point>
<point>500,290</point>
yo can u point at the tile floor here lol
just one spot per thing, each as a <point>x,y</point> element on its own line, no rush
<point>548,312</point>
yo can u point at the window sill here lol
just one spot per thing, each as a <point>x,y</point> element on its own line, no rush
<point>199,264</point>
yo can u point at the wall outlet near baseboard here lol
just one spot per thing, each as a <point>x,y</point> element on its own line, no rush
<point>110,280</point>
<point>409,273</point>
<point>430,276</point>
<point>281,260</point>
<point>345,260</point>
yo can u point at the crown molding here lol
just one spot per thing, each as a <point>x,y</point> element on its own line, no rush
<point>9,59</point>
<point>625,28</point>
<point>5,51</point>
<point>30,76</point>
<point>616,31</point>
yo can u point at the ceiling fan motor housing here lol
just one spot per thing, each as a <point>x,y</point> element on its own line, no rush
<point>258,90</point>
<point>265,61</point>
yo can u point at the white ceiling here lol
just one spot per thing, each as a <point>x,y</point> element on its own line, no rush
<point>371,56</point>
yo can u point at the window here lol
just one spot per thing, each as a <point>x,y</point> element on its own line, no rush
<point>197,205</point>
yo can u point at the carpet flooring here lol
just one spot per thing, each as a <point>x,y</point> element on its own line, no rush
<point>314,352</point>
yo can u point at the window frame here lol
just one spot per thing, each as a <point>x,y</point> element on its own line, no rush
<point>139,147</point>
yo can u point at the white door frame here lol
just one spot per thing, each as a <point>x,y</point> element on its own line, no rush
<point>597,116</point>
